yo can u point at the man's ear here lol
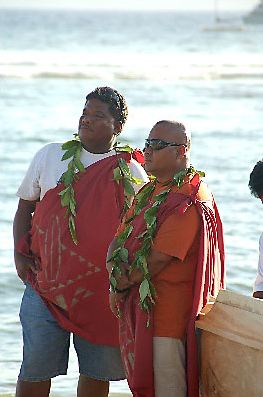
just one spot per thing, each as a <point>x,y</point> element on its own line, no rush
<point>117,128</point>
<point>182,150</point>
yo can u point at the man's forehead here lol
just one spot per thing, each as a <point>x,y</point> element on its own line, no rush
<point>96,104</point>
<point>169,130</point>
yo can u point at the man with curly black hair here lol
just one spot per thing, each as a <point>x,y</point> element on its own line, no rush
<point>60,251</point>
<point>256,187</point>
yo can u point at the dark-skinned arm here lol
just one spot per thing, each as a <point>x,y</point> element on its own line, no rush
<point>111,249</point>
<point>258,294</point>
<point>156,262</point>
<point>123,282</point>
<point>22,225</point>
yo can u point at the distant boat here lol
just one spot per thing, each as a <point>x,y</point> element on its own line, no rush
<point>256,15</point>
<point>223,24</point>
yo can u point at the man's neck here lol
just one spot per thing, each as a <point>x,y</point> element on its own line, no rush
<point>165,177</point>
<point>98,149</point>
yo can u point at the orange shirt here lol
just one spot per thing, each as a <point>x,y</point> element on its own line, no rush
<point>178,237</point>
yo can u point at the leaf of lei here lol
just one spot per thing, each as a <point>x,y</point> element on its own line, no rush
<point>146,290</point>
<point>67,196</point>
<point>125,148</point>
<point>122,172</point>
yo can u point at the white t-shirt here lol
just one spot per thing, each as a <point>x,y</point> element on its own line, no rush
<point>46,169</point>
<point>258,285</point>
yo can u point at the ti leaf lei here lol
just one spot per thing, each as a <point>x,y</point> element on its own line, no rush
<point>121,173</point>
<point>120,255</point>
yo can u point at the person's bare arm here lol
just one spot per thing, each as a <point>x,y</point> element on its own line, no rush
<point>123,282</point>
<point>156,262</point>
<point>258,294</point>
<point>111,249</point>
<point>21,225</point>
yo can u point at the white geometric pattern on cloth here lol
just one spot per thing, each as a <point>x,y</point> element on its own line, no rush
<point>85,294</point>
<point>131,359</point>
<point>128,363</point>
<point>52,275</point>
<point>61,302</point>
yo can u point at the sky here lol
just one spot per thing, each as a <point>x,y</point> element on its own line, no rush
<point>132,4</point>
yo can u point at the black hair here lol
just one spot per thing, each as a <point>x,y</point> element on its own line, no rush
<point>256,180</point>
<point>117,104</point>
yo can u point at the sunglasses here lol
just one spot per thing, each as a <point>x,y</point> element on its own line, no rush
<point>159,144</point>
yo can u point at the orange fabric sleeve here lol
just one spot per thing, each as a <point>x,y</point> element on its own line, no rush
<point>176,235</point>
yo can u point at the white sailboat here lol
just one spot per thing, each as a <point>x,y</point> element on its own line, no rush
<point>255,17</point>
<point>223,24</point>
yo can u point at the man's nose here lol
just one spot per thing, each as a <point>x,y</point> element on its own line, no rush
<point>85,118</point>
<point>84,121</point>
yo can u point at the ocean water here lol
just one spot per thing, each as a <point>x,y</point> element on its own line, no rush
<point>167,65</point>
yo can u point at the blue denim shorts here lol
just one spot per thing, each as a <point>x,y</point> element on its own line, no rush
<point>46,347</point>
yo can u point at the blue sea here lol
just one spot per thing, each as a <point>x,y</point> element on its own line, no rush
<point>168,65</point>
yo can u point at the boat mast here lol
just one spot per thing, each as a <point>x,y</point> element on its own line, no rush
<point>216,13</point>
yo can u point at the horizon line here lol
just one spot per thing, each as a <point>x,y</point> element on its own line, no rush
<point>112,9</point>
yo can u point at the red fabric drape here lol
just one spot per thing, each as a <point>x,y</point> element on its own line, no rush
<point>136,346</point>
<point>73,279</point>
<point>135,338</point>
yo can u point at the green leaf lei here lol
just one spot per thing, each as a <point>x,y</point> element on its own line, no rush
<point>120,255</point>
<point>122,173</point>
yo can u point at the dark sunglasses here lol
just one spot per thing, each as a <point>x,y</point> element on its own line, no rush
<point>159,144</point>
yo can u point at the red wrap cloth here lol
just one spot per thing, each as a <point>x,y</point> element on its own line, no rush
<point>73,279</point>
<point>135,338</point>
